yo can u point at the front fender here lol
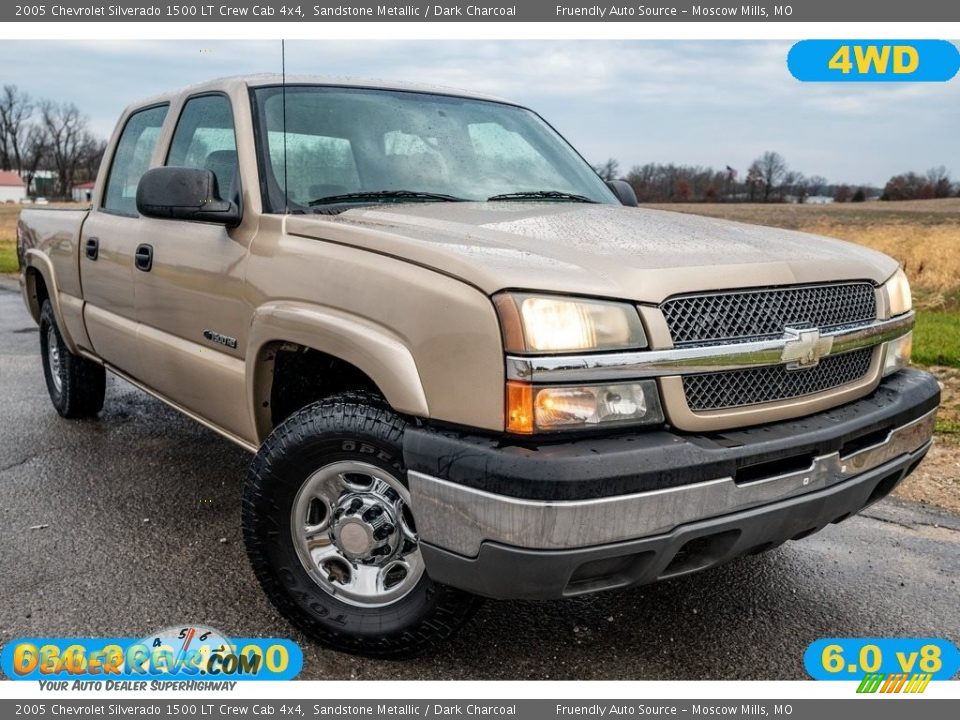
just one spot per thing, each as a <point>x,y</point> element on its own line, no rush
<point>371,348</point>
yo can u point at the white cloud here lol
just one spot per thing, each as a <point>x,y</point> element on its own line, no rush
<point>702,102</point>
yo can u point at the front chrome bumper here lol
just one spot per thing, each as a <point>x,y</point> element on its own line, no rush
<point>461,519</point>
<point>551,520</point>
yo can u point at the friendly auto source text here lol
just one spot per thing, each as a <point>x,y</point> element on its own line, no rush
<point>598,710</point>
<point>602,11</point>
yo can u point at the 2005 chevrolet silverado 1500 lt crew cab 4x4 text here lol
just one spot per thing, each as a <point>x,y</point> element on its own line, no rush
<point>465,367</point>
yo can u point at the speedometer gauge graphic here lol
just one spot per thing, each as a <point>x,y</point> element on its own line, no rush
<point>182,648</point>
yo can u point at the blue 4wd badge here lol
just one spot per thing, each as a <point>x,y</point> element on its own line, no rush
<point>873,60</point>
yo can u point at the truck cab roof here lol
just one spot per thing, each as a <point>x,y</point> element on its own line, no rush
<point>241,83</point>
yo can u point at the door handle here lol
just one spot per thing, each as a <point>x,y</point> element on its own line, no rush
<point>144,257</point>
<point>92,247</point>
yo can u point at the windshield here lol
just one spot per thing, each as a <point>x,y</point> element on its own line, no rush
<point>354,145</point>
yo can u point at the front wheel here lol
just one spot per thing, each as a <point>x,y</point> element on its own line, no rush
<point>331,536</point>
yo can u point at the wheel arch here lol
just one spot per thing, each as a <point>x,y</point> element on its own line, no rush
<point>39,284</point>
<point>373,351</point>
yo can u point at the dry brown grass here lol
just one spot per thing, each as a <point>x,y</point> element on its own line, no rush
<point>8,237</point>
<point>930,254</point>
<point>930,212</point>
<point>8,222</point>
<point>924,235</point>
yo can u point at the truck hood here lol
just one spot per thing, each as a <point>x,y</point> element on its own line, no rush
<point>607,250</point>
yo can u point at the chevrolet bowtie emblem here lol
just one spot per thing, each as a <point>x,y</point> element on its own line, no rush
<point>804,347</point>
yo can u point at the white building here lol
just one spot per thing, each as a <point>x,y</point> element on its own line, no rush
<point>12,189</point>
<point>83,193</point>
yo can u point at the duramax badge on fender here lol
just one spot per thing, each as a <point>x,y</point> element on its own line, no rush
<point>216,337</point>
<point>466,365</point>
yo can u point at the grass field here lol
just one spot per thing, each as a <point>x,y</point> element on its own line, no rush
<point>8,238</point>
<point>937,339</point>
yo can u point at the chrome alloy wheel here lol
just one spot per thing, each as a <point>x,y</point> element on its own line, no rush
<point>53,358</point>
<point>354,533</point>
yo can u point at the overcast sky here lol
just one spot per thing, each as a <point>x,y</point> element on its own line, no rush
<point>710,103</point>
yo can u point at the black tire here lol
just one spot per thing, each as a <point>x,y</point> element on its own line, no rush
<point>76,385</point>
<point>349,427</point>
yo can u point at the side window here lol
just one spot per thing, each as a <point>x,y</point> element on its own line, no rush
<point>131,159</point>
<point>205,139</point>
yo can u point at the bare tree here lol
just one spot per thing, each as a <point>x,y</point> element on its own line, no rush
<point>729,180</point>
<point>795,184</point>
<point>35,154</point>
<point>16,111</point>
<point>68,140</point>
<point>913,186</point>
<point>755,181</point>
<point>608,170</point>
<point>772,168</point>
<point>817,185</point>
<point>678,183</point>
<point>939,180</point>
<point>93,150</point>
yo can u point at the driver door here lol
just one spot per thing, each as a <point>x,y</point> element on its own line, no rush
<point>190,301</point>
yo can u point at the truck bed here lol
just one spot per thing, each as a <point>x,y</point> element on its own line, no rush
<point>55,233</point>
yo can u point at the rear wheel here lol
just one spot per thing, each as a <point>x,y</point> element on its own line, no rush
<point>332,538</point>
<point>76,385</point>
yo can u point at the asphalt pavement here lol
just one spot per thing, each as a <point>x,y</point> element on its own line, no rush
<point>130,522</point>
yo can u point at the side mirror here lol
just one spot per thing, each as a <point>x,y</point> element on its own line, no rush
<point>177,193</point>
<point>623,191</point>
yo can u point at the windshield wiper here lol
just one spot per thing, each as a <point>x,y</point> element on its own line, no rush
<point>374,195</point>
<point>542,194</point>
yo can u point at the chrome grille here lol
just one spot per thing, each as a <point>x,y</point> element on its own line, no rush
<point>749,314</point>
<point>736,388</point>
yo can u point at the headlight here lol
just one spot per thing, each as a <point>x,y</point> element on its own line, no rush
<point>896,354</point>
<point>898,294</point>
<point>552,408</point>
<point>548,324</point>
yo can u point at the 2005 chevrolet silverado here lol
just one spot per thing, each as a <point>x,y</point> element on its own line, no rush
<point>465,367</point>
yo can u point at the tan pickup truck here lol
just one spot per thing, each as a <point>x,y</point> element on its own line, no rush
<point>465,368</point>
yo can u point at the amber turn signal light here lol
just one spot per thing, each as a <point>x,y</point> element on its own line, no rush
<point>519,407</point>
